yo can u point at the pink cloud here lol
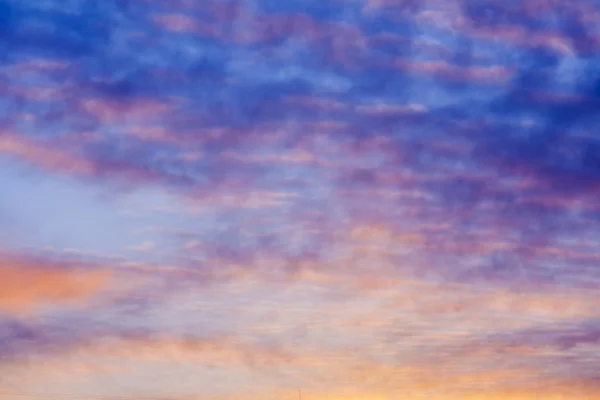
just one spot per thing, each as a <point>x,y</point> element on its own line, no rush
<point>241,25</point>
<point>43,155</point>
<point>297,156</point>
<point>317,103</point>
<point>254,199</point>
<point>61,157</point>
<point>113,111</point>
<point>176,23</point>
<point>36,66</point>
<point>391,109</point>
<point>442,69</point>
<point>145,246</point>
<point>153,134</point>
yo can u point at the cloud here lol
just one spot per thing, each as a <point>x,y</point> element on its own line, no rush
<point>377,198</point>
<point>361,334</point>
<point>435,69</point>
<point>112,111</point>
<point>145,246</point>
<point>177,23</point>
<point>187,351</point>
<point>45,156</point>
<point>29,283</point>
<point>54,158</point>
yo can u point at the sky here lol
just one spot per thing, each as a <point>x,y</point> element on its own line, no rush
<point>359,199</point>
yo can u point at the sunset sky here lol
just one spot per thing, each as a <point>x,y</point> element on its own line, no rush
<point>361,199</point>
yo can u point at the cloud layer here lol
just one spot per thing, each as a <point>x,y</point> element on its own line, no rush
<point>365,199</point>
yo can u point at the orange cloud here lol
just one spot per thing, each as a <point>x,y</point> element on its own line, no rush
<point>177,350</point>
<point>25,285</point>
